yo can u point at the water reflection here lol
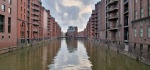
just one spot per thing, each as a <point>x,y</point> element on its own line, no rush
<point>105,59</point>
<point>72,56</point>
<point>32,58</point>
<point>68,55</point>
<point>71,45</point>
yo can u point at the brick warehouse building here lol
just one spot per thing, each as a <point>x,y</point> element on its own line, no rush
<point>93,24</point>
<point>102,27</point>
<point>41,23</point>
<point>8,29</point>
<point>72,32</point>
<point>89,30</point>
<point>58,30</point>
<point>53,26</point>
<point>53,29</point>
<point>124,23</point>
<point>27,23</point>
<point>81,34</point>
<point>112,20</point>
<point>23,24</point>
<point>45,23</point>
<point>96,20</point>
<point>139,39</point>
<point>36,16</point>
<point>49,24</point>
<point>36,19</point>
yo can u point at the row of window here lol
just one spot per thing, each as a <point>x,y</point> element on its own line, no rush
<point>141,32</point>
<point>3,6</point>
<point>3,9</point>
<point>2,24</point>
<point>22,34</point>
<point>140,1</point>
<point>141,14</point>
<point>9,1</point>
<point>3,37</point>
<point>141,47</point>
<point>141,11</point>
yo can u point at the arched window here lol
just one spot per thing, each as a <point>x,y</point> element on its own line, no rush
<point>23,24</point>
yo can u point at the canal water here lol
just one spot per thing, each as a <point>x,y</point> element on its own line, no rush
<point>68,55</point>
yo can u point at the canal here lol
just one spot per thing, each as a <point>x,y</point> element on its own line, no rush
<point>68,55</point>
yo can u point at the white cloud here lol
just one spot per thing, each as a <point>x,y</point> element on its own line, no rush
<point>70,3</point>
<point>85,9</point>
<point>70,12</point>
<point>65,14</point>
<point>57,7</point>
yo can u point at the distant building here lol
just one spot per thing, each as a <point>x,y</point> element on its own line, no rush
<point>72,31</point>
<point>81,33</point>
<point>89,30</point>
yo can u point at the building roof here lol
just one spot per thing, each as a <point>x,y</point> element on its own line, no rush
<point>71,29</point>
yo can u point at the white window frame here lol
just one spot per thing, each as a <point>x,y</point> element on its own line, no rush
<point>136,1</point>
<point>9,10</point>
<point>142,12</point>
<point>141,32</point>
<point>3,7</point>
<point>135,32</point>
<point>9,1</point>
<point>136,14</point>
<point>148,31</point>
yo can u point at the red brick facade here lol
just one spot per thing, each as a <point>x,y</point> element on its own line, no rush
<point>8,24</point>
<point>123,23</point>
<point>22,23</point>
<point>89,30</point>
<point>140,22</point>
<point>81,33</point>
<point>72,31</point>
<point>102,33</point>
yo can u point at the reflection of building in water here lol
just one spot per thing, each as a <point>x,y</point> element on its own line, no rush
<point>103,58</point>
<point>44,62</point>
<point>32,58</point>
<point>72,45</point>
<point>49,52</point>
<point>89,46</point>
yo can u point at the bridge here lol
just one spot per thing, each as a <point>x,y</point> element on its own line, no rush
<point>78,37</point>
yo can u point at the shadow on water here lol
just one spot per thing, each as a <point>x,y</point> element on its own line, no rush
<point>68,54</point>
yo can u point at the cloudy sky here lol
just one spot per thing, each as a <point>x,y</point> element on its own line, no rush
<point>70,12</point>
